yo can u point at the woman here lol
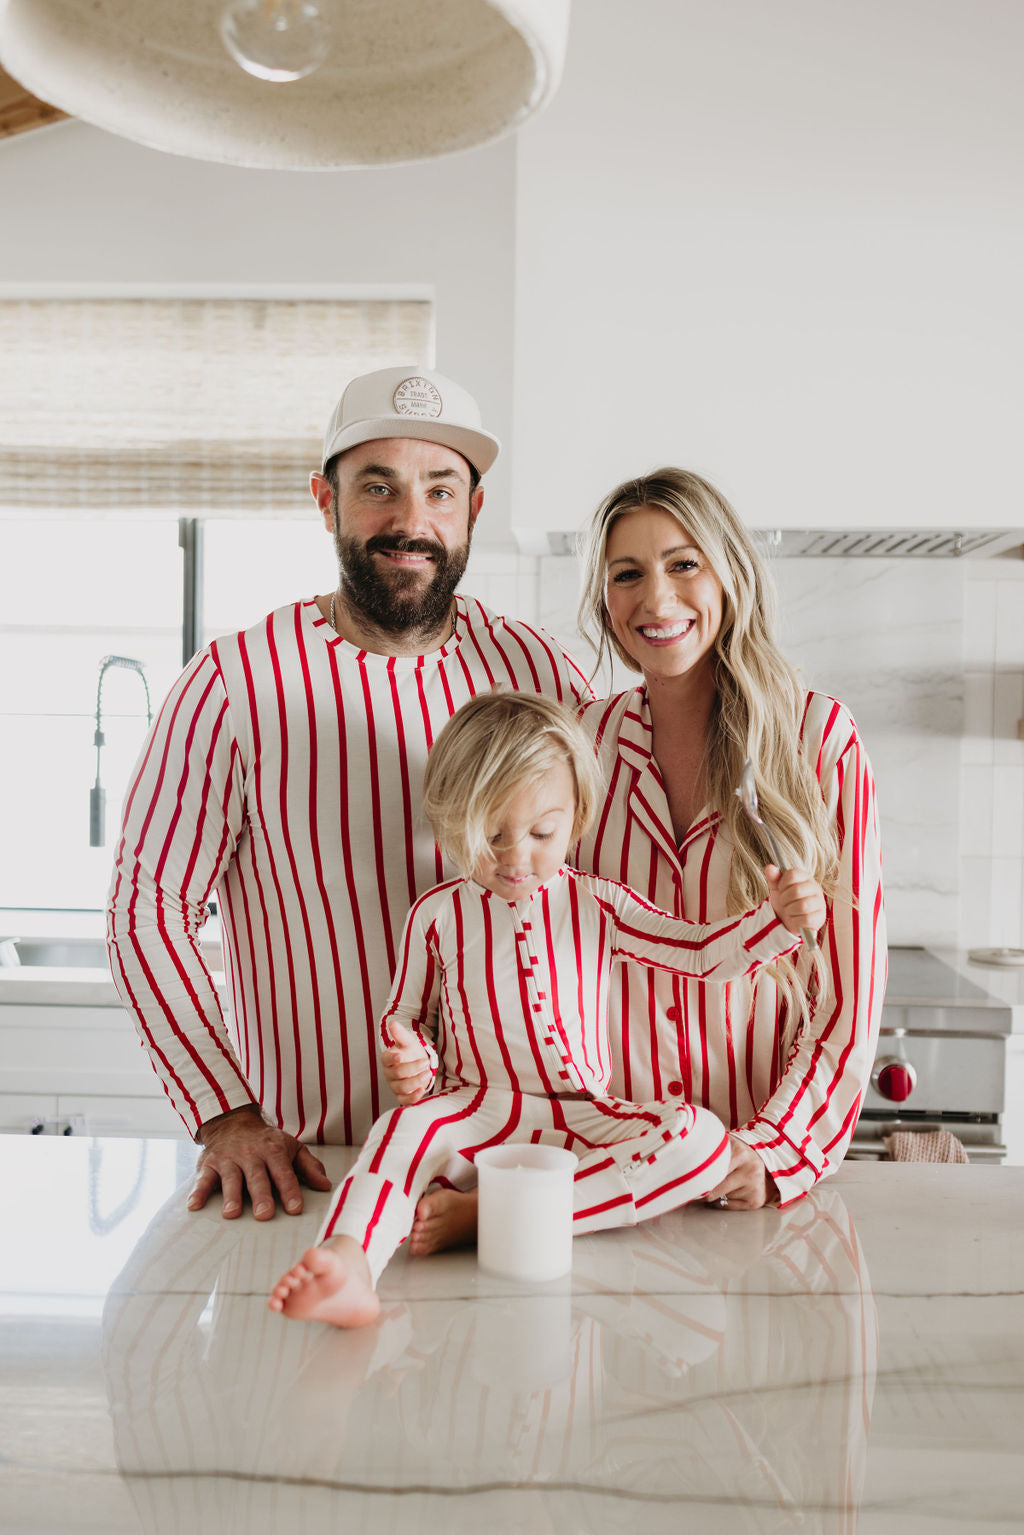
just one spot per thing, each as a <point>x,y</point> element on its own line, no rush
<point>675,587</point>
<point>677,590</point>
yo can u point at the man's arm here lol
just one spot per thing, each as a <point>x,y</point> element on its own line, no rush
<point>184,813</point>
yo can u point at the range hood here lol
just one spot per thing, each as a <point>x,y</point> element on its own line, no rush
<point>890,543</point>
<point>856,543</point>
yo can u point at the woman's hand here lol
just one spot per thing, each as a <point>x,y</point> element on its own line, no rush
<point>406,1067</point>
<point>797,899</point>
<point>748,1184</point>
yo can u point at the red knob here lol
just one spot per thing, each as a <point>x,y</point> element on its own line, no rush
<point>894,1079</point>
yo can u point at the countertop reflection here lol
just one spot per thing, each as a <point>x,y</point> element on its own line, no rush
<point>711,1366</point>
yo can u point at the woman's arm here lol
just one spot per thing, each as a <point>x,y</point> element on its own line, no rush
<point>803,1130</point>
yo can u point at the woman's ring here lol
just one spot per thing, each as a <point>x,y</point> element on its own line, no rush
<point>723,1203</point>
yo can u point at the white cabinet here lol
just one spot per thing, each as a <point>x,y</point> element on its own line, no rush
<point>108,1114</point>
<point>23,1112</point>
<point>78,1070</point>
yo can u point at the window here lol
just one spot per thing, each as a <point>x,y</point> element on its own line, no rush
<point>118,417</point>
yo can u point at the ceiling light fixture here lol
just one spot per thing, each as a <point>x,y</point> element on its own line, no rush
<point>372,82</point>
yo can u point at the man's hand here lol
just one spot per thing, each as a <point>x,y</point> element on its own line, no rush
<point>241,1152</point>
<point>406,1067</point>
<point>747,1185</point>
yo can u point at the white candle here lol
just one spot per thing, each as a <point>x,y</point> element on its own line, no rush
<point>524,1222</point>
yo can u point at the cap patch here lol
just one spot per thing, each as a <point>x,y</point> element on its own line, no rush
<point>417,397</point>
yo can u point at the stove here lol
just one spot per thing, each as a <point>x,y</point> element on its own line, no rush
<point>941,1059</point>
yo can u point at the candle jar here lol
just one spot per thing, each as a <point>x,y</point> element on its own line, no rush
<point>524,1222</point>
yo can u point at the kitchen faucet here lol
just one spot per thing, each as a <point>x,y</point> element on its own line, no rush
<point>97,794</point>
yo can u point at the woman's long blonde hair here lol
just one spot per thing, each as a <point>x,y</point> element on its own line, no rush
<point>758,699</point>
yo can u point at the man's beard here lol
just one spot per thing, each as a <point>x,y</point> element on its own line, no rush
<point>397,601</point>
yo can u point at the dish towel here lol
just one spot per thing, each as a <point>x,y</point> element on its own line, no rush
<point>924,1146</point>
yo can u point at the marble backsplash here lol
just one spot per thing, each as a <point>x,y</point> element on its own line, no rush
<point>929,657</point>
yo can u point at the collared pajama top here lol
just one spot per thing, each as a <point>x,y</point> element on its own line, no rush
<point>730,1048</point>
<point>285,772</point>
<point>514,994</point>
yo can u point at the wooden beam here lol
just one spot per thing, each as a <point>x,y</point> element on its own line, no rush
<point>20,111</point>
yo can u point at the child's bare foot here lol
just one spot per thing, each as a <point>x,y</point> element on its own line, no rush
<point>330,1283</point>
<point>444,1218</point>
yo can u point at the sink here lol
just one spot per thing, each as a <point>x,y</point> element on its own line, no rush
<point>75,953</point>
<point>79,953</point>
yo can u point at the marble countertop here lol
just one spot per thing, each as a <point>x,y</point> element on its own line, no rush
<point>851,1362</point>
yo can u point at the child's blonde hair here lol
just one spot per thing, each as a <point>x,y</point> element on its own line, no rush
<point>489,749</point>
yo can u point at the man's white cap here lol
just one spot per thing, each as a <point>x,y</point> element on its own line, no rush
<point>410,402</point>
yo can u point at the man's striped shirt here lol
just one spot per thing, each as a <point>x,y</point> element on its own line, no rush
<point>284,772</point>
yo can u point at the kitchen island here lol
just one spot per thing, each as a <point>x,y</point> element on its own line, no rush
<point>855,1362</point>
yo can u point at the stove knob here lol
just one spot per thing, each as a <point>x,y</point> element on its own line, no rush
<point>893,1078</point>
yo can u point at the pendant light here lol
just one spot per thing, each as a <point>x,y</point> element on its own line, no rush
<point>292,84</point>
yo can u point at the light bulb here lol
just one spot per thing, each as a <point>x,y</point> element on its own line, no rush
<point>275,39</point>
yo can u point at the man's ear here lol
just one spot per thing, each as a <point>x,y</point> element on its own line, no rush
<point>476,501</point>
<point>323,495</point>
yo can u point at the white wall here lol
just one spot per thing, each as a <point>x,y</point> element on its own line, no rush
<point>992,759</point>
<point>929,657</point>
<point>80,206</point>
<point>782,244</point>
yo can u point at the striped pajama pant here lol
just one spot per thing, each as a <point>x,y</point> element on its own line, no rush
<point>636,1160</point>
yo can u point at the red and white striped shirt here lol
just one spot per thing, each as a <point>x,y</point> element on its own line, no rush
<point>724,1047</point>
<point>285,772</point>
<point>515,995</point>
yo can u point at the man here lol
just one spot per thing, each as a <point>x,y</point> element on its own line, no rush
<point>284,771</point>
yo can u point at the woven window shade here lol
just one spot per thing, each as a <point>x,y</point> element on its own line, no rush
<point>183,407</point>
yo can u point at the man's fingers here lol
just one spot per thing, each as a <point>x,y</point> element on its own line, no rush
<point>311,1170</point>
<point>207,1179</point>
<point>260,1191</point>
<point>231,1183</point>
<point>279,1166</point>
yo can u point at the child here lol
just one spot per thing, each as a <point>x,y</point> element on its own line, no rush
<point>500,1005</point>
